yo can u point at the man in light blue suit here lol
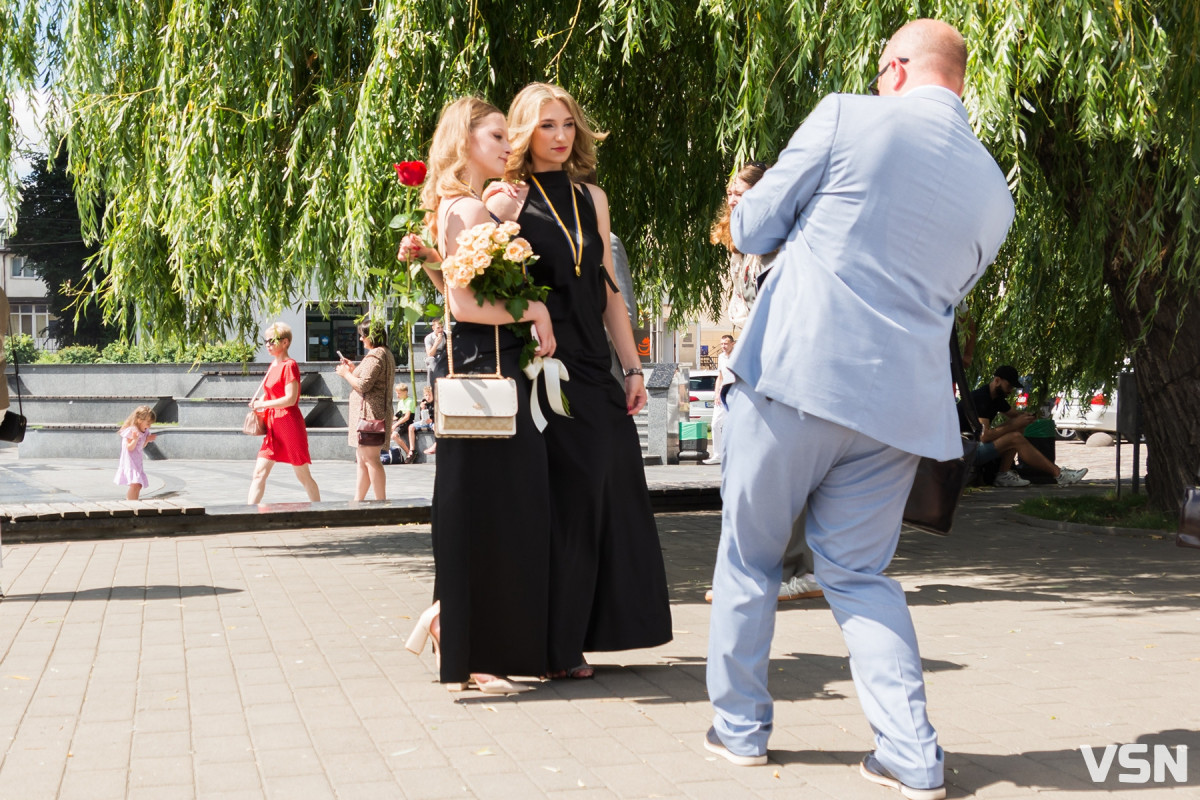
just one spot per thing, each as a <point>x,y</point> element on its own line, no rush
<point>888,210</point>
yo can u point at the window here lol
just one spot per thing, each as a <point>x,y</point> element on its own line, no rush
<point>339,331</point>
<point>29,318</point>
<point>21,268</point>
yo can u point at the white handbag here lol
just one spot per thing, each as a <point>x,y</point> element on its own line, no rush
<point>473,406</point>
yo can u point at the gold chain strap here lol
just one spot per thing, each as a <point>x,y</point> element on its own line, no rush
<point>450,344</point>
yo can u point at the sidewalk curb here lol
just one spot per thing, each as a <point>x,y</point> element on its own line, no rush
<point>283,516</point>
<point>1078,527</point>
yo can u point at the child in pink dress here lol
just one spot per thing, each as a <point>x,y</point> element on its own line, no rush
<point>135,435</point>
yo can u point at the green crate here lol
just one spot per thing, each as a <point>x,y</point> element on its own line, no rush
<point>1040,429</point>
<point>693,430</point>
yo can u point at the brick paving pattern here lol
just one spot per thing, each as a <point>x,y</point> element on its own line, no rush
<point>271,665</point>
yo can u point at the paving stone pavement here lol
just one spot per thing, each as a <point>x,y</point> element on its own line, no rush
<point>217,483</point>
<point>271,665</point>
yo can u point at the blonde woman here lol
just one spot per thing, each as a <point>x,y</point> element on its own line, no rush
<point>608,586</point>
<point>287,437</point>
<point>370,398</point>
<point>491,515</point>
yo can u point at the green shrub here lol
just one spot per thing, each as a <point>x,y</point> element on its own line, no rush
<point>172,353</point>
<point>120,353</point>
<point>20,348</point>
<point>227,352</point>
<point>77,354</point>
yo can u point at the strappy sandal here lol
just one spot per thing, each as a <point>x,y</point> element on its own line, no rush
<point>583,672</point>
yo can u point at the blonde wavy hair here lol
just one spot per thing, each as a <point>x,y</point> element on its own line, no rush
<point>449,152</point>
<point>523,117</point>
<point>751,172</point>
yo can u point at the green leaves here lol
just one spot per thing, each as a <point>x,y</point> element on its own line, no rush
<point>230,160</point>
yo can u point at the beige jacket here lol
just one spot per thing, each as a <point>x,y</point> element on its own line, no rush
<point>371,391</point>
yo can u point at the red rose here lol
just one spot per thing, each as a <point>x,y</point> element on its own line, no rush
<point>411,173</point>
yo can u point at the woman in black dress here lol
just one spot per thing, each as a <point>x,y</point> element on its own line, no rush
<point>607,583</point>
<point>491,514</point>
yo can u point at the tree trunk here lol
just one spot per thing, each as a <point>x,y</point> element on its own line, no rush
<point>1167,369</point>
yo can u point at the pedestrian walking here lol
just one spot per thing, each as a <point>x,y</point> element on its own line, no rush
<point>286,440</point>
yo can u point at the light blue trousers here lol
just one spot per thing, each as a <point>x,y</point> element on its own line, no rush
<point>776,460</point>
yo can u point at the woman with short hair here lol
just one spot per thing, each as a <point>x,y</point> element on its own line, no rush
<point>286,440</point>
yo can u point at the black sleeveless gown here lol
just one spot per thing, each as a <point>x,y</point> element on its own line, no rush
<point>491,531</point>
<point>608,588</point>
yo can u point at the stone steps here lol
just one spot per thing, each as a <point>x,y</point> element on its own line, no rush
<point>173,442</point>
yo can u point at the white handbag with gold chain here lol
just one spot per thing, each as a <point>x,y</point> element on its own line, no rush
<point>473,406</point>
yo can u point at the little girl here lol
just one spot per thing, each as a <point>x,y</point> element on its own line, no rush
<point>135,435</point>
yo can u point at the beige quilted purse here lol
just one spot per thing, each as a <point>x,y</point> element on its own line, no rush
<point>475,406</point>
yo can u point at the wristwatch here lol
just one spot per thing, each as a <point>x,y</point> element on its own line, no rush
<point>629,373</point>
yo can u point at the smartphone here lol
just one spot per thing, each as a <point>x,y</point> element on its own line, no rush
<point>339,352</point>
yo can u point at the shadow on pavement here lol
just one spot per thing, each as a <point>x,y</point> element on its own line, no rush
<point>968,773</point>
<point>154,592</point>
<point>802,676</point>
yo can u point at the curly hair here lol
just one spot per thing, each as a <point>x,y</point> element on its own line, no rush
<point>523,118</point>
<point>751,172</point>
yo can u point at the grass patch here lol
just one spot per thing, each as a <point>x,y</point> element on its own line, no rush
<point>1128,512</point>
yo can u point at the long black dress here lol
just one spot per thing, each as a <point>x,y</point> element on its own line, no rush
<point>608,587</point>
<point>491,531</point>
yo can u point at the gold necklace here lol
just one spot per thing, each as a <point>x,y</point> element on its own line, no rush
<point>576,241</point>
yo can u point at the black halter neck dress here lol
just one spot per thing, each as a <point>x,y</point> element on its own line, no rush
<point>608,587</point>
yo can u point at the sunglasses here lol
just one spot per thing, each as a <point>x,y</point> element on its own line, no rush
<point>871,87</point>
<point>272,340</point>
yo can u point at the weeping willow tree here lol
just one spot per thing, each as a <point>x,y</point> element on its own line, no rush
<point>243,151</point>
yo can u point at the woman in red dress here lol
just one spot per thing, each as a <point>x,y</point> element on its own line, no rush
<point>287,438</point>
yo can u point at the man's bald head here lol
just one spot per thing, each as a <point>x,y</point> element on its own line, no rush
<point>936,53</point>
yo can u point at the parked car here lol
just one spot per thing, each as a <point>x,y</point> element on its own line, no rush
<point>702,385</point>
<point>1081,416</point>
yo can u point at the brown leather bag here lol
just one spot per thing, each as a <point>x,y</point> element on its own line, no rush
<point>1189,519</point>
<point>938,485</point>
<point>371,433</point>
<point>255,423</point>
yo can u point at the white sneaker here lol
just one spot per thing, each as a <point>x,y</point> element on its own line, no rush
<point>1010,479</point>
<point>800,587</point>
<point>1066,477</point>
<point>710,461</point>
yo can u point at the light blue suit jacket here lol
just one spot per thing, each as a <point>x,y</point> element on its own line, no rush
<point>888,210</point>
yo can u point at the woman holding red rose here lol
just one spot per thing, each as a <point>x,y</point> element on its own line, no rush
<point>491,514</point>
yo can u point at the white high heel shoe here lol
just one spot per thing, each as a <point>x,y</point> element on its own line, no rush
<point>424,632</point>
<point>496,685</point>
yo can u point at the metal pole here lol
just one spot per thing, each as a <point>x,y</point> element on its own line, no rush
<point>1137,459</point>
<point>1118,461</point>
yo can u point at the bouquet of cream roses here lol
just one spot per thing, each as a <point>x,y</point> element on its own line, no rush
<point>492,260</point>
